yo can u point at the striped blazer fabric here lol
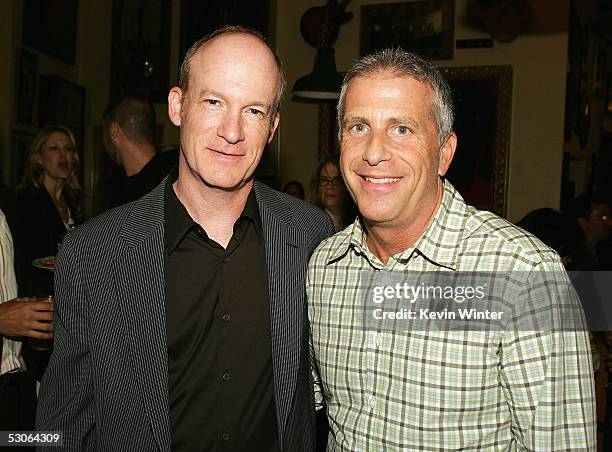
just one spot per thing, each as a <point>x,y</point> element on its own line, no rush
<point>106,386</point>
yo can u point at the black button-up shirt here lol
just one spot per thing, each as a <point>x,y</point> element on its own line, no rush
<point>218,325</point>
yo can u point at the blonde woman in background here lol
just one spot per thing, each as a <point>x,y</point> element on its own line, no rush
<point>49,200</point>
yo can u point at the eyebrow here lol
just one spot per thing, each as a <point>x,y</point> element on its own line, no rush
<point>209,92</point>
<point>392,120</point>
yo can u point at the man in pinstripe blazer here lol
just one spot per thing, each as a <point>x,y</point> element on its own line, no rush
<point>112,382</point>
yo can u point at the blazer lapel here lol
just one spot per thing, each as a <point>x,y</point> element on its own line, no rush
<point>139,279</point>
<point>286,257</point>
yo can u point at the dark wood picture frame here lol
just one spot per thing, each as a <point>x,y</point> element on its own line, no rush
<point>327,144</point>
<point>27,77</point>
<point>267,169</point>
<point>140,51</point>
<point>50,26</point>
<point>22,141</point>
<point>62,102</point>
<point>482,97</point>
<point>422,27</point>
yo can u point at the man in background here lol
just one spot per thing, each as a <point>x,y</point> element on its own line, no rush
<point>129,136</point>
<point>591,212</point>
<point>19,319</point>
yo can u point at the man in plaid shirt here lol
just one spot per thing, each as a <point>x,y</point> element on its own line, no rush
<point>426,389</point>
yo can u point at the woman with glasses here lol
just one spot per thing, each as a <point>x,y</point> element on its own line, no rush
<point>332,195</point>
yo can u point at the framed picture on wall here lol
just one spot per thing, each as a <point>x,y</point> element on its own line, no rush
<point>200,17</point>
<point>50,26</point>
<point>328,131</point>
<point>62,102</point>
<point>27,76</point>
<point>21,145</point>
<point>482,96</point>
<point>267,169</point>
<point>422,27</point>
<point>140,51</point>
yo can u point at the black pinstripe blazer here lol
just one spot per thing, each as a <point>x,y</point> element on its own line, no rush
<point>106,386</point>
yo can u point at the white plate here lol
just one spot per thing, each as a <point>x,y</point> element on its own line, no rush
<point>46,263</point>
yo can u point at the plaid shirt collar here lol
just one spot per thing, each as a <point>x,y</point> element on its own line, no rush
<point>437,244</point>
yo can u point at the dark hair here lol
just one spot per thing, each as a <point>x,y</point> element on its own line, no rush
<point>136,116</point>
<point>185,69</point>
<point>296,184</point>
<point>397,62</point>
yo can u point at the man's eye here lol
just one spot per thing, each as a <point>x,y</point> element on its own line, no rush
<point>256,112</point>
<point>53,148</point>
<point>402,130</point>
<point>359,128</point>
<point>212,101</point>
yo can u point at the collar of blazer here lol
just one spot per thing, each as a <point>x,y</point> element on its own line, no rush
<point>147,214</point>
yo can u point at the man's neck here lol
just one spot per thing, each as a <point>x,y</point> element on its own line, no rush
<point>135,157</point>
<point>215,210</point>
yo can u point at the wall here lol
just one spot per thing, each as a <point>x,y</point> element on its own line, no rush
<point>7,83</point>
<point>91,70</point>
<point>539,62</point>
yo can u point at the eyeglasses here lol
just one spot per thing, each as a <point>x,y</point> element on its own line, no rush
<point>333,181</point>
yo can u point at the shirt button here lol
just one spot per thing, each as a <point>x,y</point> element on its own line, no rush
<point>226,377</point>
<point>226,437</point>
<point>226,317</point>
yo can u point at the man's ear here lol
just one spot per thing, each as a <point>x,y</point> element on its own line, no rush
<point>116,132</point>
<point>175,98</point>
<point>274,126</point>
<point>447,152</point>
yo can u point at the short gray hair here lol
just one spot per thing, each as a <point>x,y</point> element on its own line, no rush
<point>405,64</point>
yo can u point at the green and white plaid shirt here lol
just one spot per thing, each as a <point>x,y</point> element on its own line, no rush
<point>445,390</point>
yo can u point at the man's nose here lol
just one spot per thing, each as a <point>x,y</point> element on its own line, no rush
<point>231,127</point>
<point>376,150</point>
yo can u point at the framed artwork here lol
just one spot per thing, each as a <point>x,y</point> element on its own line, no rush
<point>267,169</point>
<point>21,145</point>
<point>27,76</point>
<point>62,102</point>
<point>482,97</point>
<point>200,17</point>
<point>140,51</point>
<point>328,131</point>
<point>50,27</point>
<point>422,27</point>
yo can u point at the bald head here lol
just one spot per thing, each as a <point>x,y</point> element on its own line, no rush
<point>220,42</point>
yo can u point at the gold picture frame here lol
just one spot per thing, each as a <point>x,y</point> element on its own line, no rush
<point>482,96</point>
